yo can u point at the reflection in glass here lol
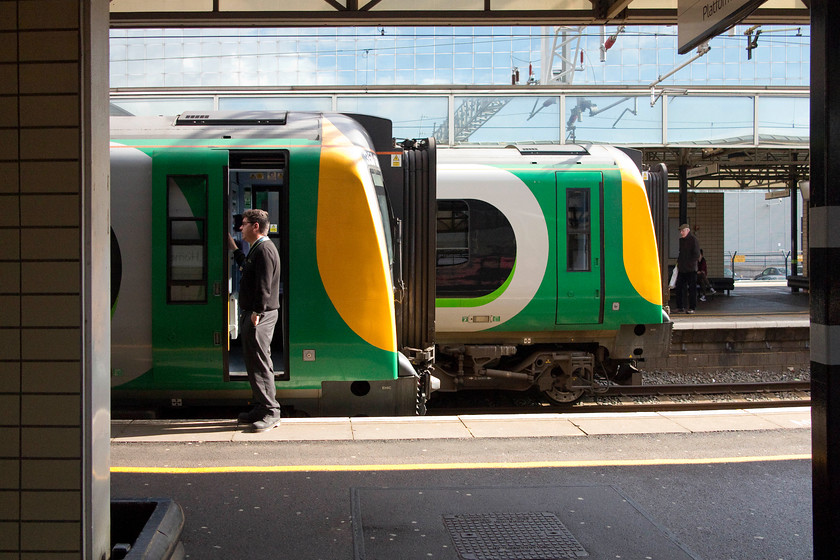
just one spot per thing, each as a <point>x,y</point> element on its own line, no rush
<point>613,120</point>
<point>784,120</point>
<point>186,230</point>
<point>413,117</point>
<point>187,237</point>
<point>578,234</point>
<point>159,107</point>
<point>497,119</point>
<point>453,227</point>
<point>718,120</point>
<point>275,104</point>
<point>476,249</point>
<point>187,262</point>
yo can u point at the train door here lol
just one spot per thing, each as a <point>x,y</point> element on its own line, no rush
<point>257,179</point>
<point>187,264</point>
<point>580,252</point>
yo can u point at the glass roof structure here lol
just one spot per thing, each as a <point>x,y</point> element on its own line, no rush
<point>483,85</point>
<point>204,13</point>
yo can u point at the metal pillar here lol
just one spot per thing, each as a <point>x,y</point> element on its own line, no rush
<point>793,181</point>
<point>683,173</point>
<point>824,254</point>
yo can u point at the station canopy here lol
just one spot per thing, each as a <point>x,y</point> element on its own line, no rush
<point>283,13</point>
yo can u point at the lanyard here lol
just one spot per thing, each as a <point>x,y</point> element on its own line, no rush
<point>254,246</point>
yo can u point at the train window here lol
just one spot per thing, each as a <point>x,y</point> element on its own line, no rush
<point>453,226</point>
<point>578,230</point>
<point>384,210</point>
<point>476,249</point>
<point>187,238</point>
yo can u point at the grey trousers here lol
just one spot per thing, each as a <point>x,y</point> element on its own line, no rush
<point>256,347</point>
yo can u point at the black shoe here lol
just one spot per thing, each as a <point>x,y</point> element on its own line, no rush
<point>680,310</point>
<point>267,422</point>
<point>256,413</point>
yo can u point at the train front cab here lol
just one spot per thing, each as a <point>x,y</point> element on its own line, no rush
<point>334,349</point>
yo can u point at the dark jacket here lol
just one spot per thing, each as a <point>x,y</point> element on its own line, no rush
<point>259,286</point>
<point>689,253</point>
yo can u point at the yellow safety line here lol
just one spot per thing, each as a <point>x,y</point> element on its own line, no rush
<point>456,466</point>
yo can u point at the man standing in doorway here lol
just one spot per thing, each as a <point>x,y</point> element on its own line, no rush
<point>259,300</point>
<point>687,269</point>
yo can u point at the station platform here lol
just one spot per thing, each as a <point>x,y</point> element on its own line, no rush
<point>477,426</point>
<point>750,302</point>
<point>759,325</point>
<point>711,485</point>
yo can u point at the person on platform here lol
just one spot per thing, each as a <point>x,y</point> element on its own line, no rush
<point>703,278</point>
<point>259,301</point>
<point>687,260</point>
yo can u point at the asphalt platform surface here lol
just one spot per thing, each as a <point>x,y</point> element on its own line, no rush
<point>711,493</point>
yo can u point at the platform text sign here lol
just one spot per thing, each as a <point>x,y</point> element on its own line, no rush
<point>700,20</point>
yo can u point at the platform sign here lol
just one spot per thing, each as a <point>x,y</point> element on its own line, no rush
<point>784,193</point>
<point>702,170</point>
<point>700,20</point>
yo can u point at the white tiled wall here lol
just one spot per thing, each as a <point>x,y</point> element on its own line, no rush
<point>49,177</point>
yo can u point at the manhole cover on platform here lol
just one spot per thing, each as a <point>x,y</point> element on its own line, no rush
<point>512,536</point>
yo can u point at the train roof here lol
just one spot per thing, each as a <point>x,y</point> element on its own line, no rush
<point>298,125</point>
<point>560,154</point>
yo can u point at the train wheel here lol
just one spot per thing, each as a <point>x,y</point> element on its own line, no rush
<point>563,397</point>
<point>563,390</point>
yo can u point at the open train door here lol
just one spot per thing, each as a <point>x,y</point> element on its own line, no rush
<point>258,180</point>
<point>188,301</point>
<point>580,247</point>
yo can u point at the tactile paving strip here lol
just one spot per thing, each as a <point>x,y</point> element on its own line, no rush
<point>512,536</point>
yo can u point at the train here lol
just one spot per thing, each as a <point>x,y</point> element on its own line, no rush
<point>548,272</point>
<point>406,269</point>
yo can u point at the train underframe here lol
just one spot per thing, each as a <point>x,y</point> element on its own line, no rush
<point>562,371</point>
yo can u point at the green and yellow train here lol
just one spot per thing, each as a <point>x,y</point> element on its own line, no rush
<point>405,268</point>
<point>548,273</point>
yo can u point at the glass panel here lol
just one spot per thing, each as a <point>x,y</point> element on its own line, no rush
<point>275,104</point>
<point>710,120</point>
<point>187,262</point>
<point>507,119</point>
<point>187,213</point>
<point>452,230</point>
<point>476,249</point>
<point>159,107</point>
<point>613,120</point>
<point>213,57</point>
<point>384,210</point>
<point>413,117</point>
<point>784,120</point>
<point>187,196</point>
<point>186,230</point>
<point>577,229</point>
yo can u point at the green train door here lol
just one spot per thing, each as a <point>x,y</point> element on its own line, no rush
<point>187,266</point>
<point>580,227</point>
<point>257,179</point>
